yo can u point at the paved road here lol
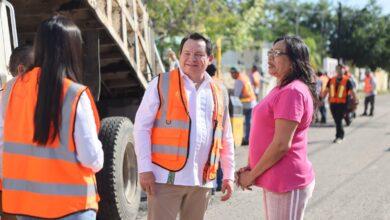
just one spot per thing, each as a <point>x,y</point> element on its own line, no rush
<point>352,178</point>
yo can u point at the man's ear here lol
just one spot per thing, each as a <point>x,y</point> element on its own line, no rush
<point>211,58</point>
<point>20,69</point>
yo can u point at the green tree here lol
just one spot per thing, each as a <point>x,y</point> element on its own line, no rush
<point>215,18</point>
<point>363,38</point>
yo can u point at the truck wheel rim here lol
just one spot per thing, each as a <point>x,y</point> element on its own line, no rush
<point>130,177</point>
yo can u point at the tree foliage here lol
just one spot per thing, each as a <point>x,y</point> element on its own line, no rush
<point>363,38</point>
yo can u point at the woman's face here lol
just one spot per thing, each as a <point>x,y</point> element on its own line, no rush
<point>279,64</point>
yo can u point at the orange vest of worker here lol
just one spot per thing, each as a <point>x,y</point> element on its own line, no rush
<point>247,93</point>
<point>339,96</point>
<point>368,85</point>
<point>43,181</point>
<point>171,129</point>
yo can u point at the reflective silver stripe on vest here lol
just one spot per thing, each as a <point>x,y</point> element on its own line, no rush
<point>6,93</point>
<point>165,94</point>
<point>49,188</point>
<point>70,96</point>
<point>159,123</point>
<point>164,149</point>
<point>218,134</point>
<point>41,152</point>
<point>214,160</point>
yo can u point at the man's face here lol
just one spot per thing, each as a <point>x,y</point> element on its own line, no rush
<point>234,74</point>
<point>339,71</point>
<point>193,58</point>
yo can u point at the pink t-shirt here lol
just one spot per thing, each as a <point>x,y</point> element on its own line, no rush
<point>292,102</point>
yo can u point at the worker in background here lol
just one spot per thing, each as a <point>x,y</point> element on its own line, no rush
<point>338,88</point>
<point>321,81</point>
<point>243,89</point>
<point>351,103</point>
<point>172,59</point>
<point>255,79</point>
<point>21,60</point>
<point>182,129</point>
<point>370,92</point>
<point>48,127</point>
<point>212,70</point>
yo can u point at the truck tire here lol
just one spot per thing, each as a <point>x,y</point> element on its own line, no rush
<point>117,182</point>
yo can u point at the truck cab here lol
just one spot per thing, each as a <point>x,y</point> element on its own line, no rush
<point>8,38</point>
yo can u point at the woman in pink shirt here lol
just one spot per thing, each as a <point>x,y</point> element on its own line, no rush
<point>278,140</point>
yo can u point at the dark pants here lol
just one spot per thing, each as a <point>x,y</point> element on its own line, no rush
<point>338,111</point>
<point>369,100</point>
<point>322,110</point>
<point>248,116</point>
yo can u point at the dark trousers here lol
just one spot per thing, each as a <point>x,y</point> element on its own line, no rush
<point>322,110</point>
<point>338,111</point>
<point>369,100</point>
<point>248,116</point>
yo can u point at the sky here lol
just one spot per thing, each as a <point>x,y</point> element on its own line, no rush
<point>385,4</point>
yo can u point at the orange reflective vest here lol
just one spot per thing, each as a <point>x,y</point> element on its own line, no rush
<point>171,130</point>
<point>367,84</point>
<point>43,181</point>
<point>339,96</point>
<point>247,93</point>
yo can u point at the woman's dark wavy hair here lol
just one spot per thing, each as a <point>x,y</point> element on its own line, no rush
<point>298,53</point>
<point>58,52</point>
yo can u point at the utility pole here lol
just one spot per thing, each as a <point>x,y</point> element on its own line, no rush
<point>339,17</point>
<point>297,21</point>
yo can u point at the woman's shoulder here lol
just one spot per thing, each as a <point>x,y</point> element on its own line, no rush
<point>296,87</point>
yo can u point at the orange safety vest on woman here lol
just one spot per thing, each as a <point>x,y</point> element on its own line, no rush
<point>43,181</point>
<point>339,96</point>
<point>171,130</point>
<point>367,84</point>
<point>247,93</point>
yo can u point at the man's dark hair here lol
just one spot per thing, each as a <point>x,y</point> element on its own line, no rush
<point>22,55</point>
<point>197,36</point>
<point>255,67</point>
<point>233,70</point>
<point>211,69</point>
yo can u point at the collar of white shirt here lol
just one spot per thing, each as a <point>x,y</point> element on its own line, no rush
<point>207,78</point>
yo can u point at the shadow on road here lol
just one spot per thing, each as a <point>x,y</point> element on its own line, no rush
<point>322,125</point>
<point>320,142</point>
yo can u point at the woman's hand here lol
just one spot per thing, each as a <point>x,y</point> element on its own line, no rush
<point>246,180</point>
<point>237,174</point>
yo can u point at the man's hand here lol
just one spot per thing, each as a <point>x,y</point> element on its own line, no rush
<point>227,189</point>
<point>147,181</point>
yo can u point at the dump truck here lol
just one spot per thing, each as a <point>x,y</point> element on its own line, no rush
<point>120,58</point>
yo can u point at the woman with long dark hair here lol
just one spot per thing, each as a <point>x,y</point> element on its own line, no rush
<point>51,149</point>
<point>278,141</point>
